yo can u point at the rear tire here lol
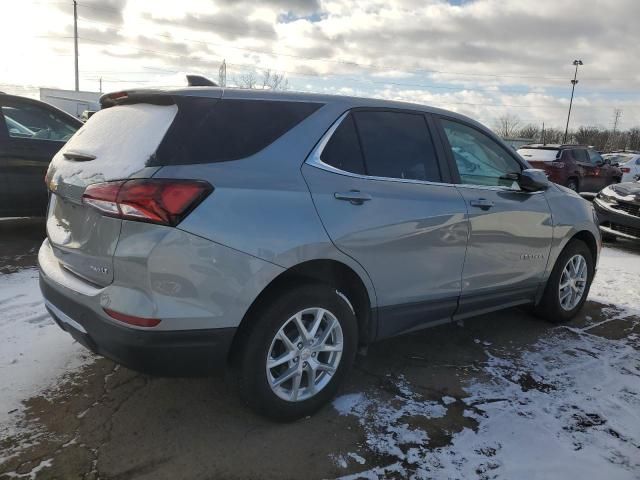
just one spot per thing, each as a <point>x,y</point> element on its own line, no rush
<point>573,184</point>
<point>554,305</point>
<point>314,383</point>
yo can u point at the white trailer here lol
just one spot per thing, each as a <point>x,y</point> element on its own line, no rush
<point>71,101</point>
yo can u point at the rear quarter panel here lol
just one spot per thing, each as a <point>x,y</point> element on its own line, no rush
<point>262,206</point>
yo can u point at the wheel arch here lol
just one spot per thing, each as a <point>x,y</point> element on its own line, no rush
<point>587,237</point>
<point>325,271</point>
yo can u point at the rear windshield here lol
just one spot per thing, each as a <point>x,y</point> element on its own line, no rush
<point>208,130</point>
<point>539,154</point>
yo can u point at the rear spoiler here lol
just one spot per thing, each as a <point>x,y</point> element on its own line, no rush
<point>136,96</point>
<point>155,97</point>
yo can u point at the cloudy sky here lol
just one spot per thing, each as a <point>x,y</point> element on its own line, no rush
<point>484,58</point>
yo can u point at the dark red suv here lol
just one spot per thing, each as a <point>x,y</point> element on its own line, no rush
<point>575,166</point>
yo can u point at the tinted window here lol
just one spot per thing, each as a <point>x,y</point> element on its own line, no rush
<point>343,151</point>
<point>397,145</point>
<point>208,130</point>
<point>480,160</point>
<point>581,156</point>
<point>25,120</point>
<point>595,157</point>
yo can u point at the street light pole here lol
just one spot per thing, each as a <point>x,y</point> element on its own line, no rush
<point>577,63</point>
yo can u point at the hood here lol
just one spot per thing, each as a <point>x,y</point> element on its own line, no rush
<point>628,191</point>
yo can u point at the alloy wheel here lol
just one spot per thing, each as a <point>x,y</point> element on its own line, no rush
<point>573,282</point>
<point>304,354</point>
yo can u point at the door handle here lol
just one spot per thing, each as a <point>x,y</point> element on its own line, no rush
<point>355,197</point>
<point>482,203</point>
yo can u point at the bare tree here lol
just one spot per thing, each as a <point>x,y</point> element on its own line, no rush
<point>268,80</point>
<point>530,131</point>
<point>633,139</point>
<point>507,125</point>
<point>586,135</point>
<point>274,81</point>
<point>247,80</point>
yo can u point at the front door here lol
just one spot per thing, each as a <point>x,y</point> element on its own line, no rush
<point>378,188</point>
<point>510,230</point>
<point>32,136</point>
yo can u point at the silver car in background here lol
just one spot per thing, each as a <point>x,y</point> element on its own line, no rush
<point>277,233</point>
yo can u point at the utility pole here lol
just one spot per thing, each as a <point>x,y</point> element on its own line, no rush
<point>577,63</point>
<point>543,142</point>
<point>617,113</point>
<point>75,41</point>
<point>100,84</point>
<point>222,74</point>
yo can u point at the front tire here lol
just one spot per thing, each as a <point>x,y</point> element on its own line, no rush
<point>297,353</point>
<point>569,283</point>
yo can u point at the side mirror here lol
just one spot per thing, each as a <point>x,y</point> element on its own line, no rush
<point>533,180</point>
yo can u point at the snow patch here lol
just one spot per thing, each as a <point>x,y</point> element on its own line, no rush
<point>34,351</point>
<point>565,408</point>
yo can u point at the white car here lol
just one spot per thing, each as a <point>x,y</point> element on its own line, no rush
<point>629,163</point>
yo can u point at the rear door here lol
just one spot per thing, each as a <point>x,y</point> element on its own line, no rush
<point>34,134</point>
<point>510,230</point>
<point>387,202</point>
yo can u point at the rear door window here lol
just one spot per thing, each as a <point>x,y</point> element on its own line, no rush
<point>581,156</point>
<point>397,145</point>
<point>209,131</point>
<point>595,158</point>
<point>342,151</point>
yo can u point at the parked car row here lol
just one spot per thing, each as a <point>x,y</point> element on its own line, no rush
<point>578,167</point>
<point>628,162</point>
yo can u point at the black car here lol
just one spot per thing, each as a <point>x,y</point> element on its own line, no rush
<point>618,208</point>
<point>31,132</point>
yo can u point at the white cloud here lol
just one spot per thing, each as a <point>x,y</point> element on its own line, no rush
<point>483,57</point>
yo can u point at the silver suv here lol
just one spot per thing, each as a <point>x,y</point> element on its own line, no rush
<point>278,233</point>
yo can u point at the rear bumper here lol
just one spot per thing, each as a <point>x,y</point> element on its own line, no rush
<point>615,223</point>
<point>172,353</point>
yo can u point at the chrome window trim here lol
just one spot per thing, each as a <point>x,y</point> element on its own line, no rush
<point>314,160</point>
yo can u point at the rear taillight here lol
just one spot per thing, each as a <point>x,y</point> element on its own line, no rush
<point>625,169</point>
<point>557,164</point>
<point>161,201</point>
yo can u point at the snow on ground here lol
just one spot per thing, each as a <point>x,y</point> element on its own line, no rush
<point>34,352</point>
<point>567,407</point>
<point>618,280</point>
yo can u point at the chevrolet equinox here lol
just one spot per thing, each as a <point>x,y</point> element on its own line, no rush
<point>278,233</point>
